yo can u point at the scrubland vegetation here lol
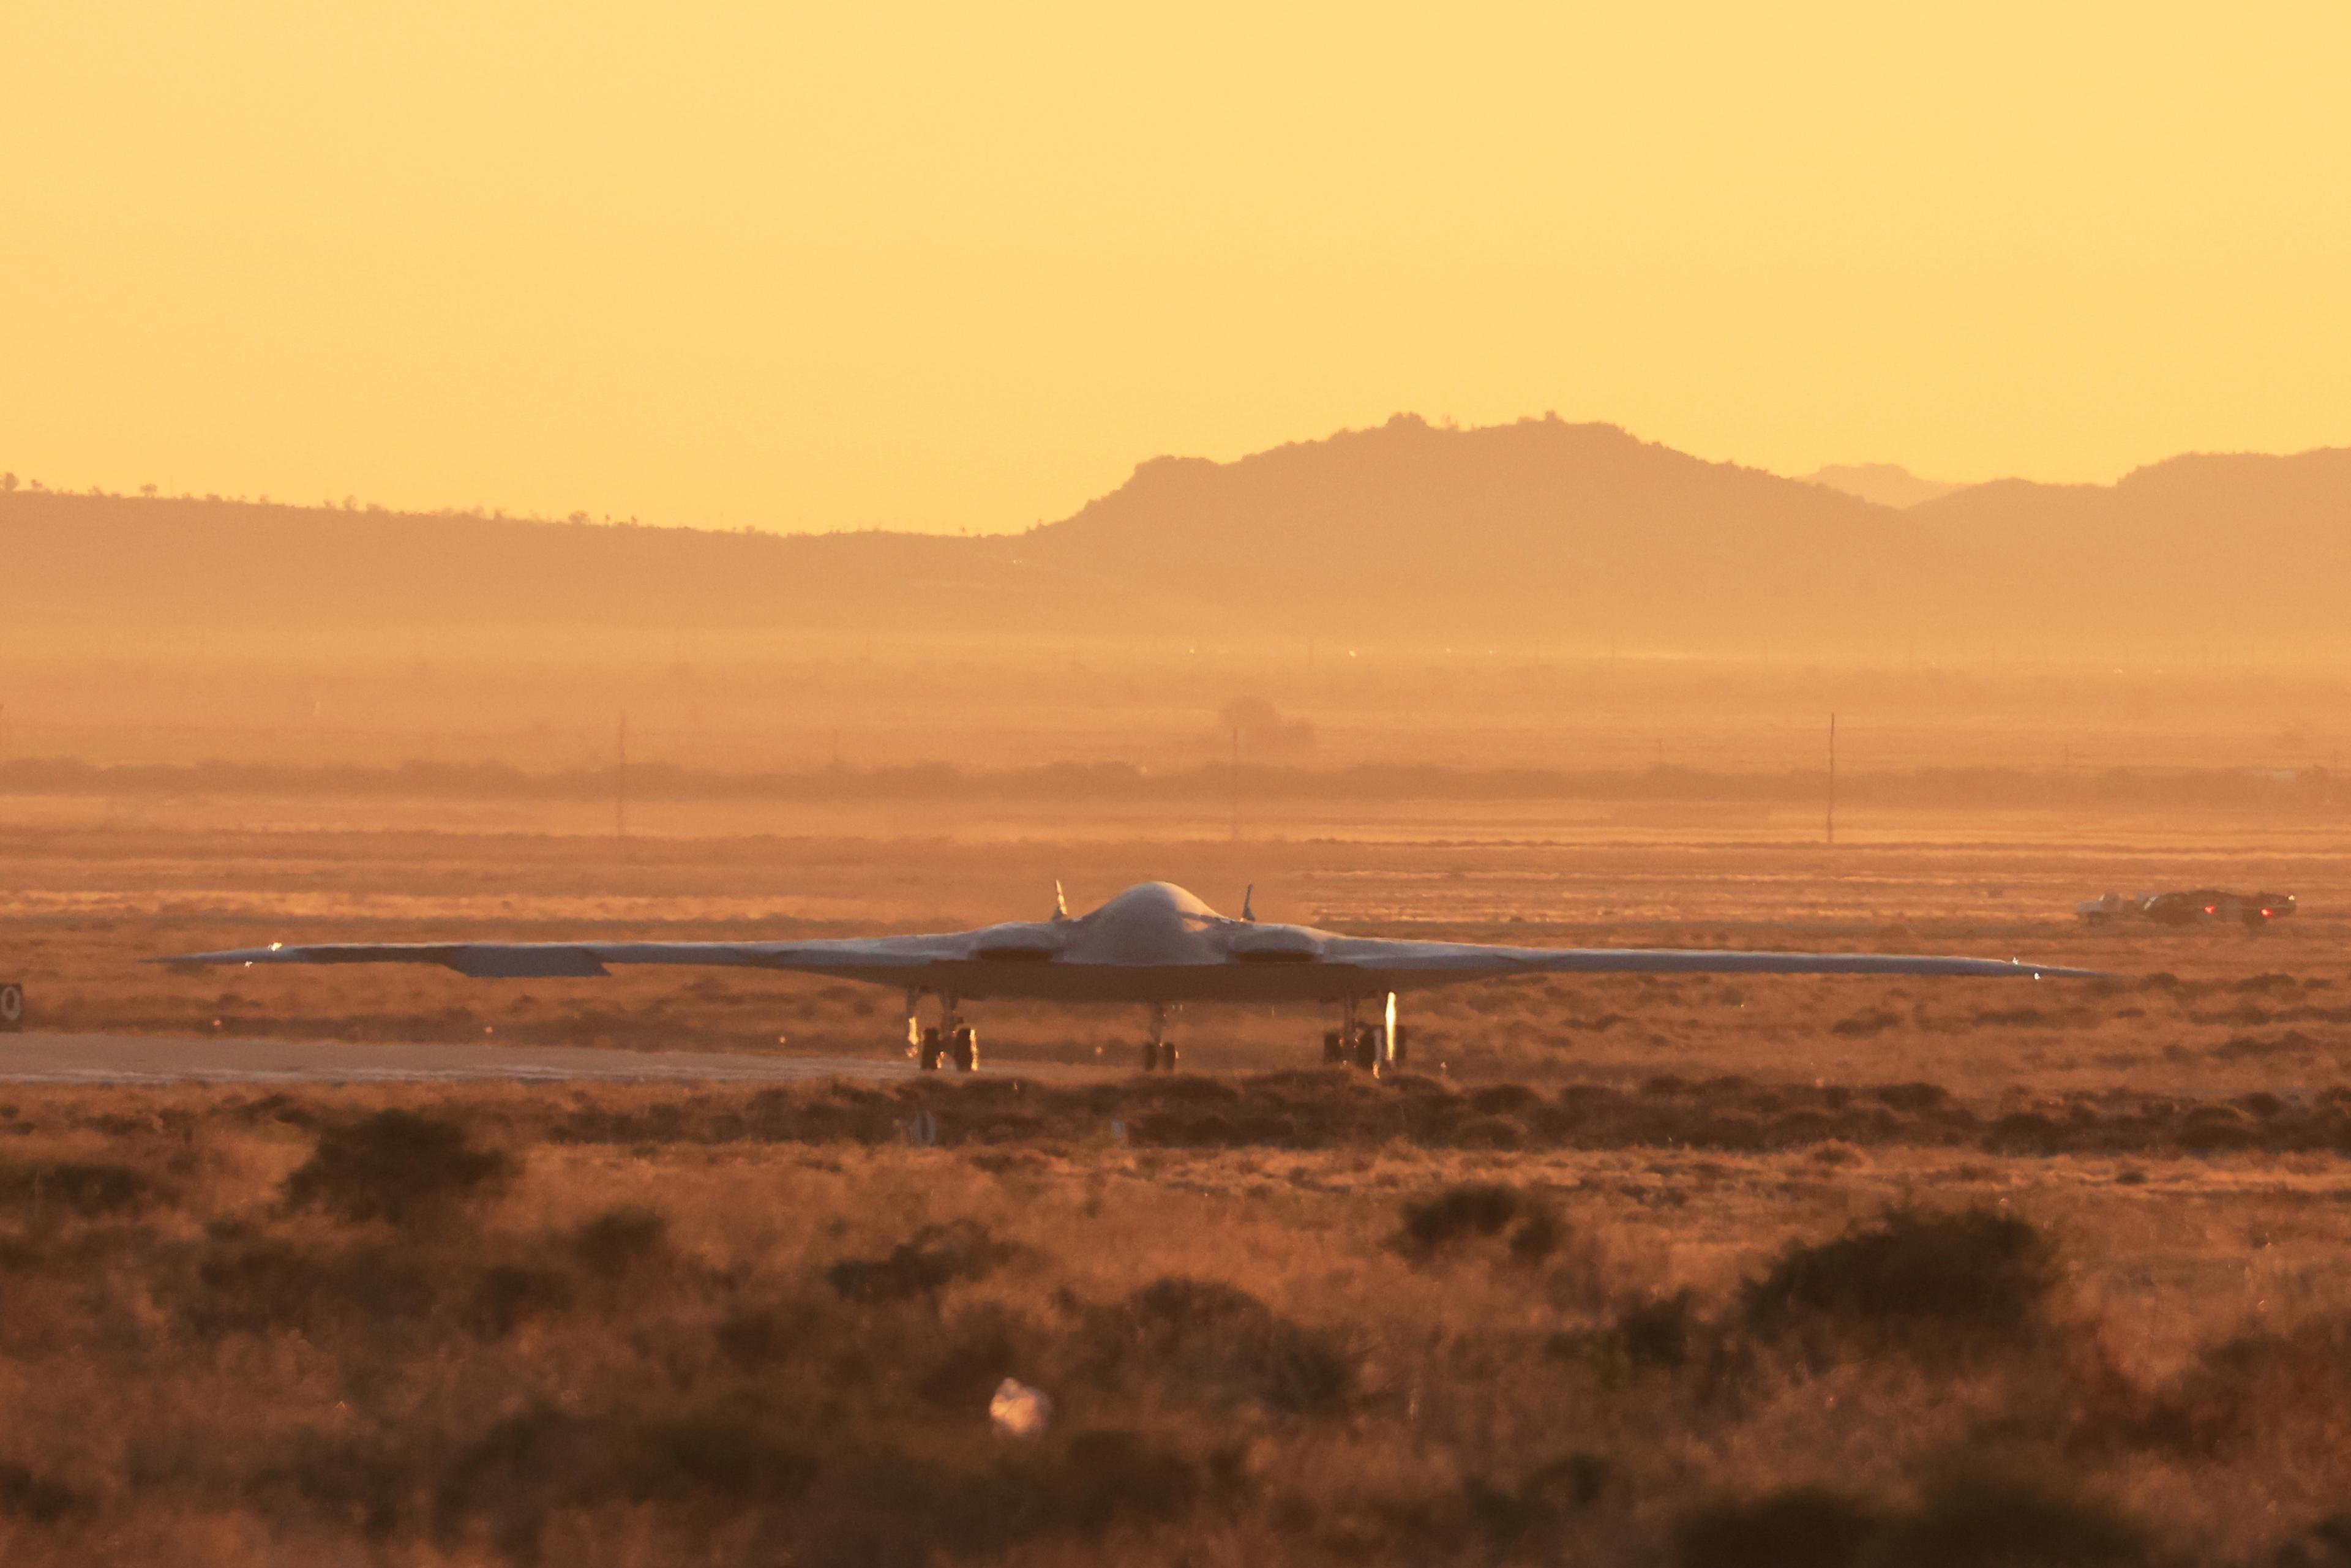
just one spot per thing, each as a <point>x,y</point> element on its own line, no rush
<point>619,1325</point>
<point>1657,1271</point>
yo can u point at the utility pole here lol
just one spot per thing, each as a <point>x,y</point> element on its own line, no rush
<point>1237,783</point>
<point>621,784</point>
<point>1831,822</point>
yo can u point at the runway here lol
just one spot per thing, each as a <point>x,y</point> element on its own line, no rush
<point>41,1057</point>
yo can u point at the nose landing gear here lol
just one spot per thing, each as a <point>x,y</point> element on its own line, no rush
<point>1158,1051</point>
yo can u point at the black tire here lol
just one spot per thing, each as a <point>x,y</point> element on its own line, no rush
<point>931,1052</point>
<point>967,1050</point>
<point>1368,1047</point>
<point>1403,1038</point>
<point>1167,1056</point>
<point>1150,1056</point>
<point>1335,1048</point>
<point>12,1007</point>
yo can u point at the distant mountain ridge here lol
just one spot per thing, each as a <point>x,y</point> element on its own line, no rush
<point>1887,484</point>
<point>1535,534</point>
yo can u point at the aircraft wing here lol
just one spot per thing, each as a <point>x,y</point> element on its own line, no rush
<point>879,959</point>
<point>1408,962</point>
<point>1026,959</point>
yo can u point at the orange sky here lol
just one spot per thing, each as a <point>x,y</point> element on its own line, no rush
<point>822,266</point>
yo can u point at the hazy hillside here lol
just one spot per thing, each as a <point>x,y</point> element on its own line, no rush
<point>1535,534</point>
<point>2229,550</point>
<point>1887,484</point>
<point>95,561</point>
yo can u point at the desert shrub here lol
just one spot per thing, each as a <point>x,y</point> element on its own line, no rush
<point>508,1295</point>
<point>1542,1500</point>
<point>262,1284</point>
<point>1729,1132</point>
<point>973,1352</point>
<point>1188,1090</point>
<point>89,1190</point>
<point>1483,1133</point>
<point>2026,1132</point>
<point>1503,1100</point>
<point>1970,1521</point>
<point>2211,1128</point>
<point>1538,1235</point>
<point>2268,1377</point>
<point>1103,1476</point>
<point>1572,1480</point>
<point>1207,1342</point>
<point>1480,1517</point>
<point>904,1509</point>
<point>935,1257</point>
<point>1802,1527</point>
<point>399,1166</point>
<point>1966,1523</point>
<point>2326,1544</point>
<point>1975,1270</point>
<point>506,1482</point>
<point>1183,1129</point>
<point>350,1482</point>
<point>28,1495</point>
<point>1653,1333</point>
<point>619,1241</point>
<point>793,1325</point>
<point>1657,1332</point>
<point>1482,1210</point>
<point>1913,1097</point>
<point>710,1454</point>
<point>754,1337</point>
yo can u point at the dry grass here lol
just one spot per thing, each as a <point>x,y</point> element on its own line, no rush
<point>1642,1270</point>
<point>2209,1013</point>
<point>632,1327</point>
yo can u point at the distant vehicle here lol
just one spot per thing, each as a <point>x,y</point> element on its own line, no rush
<point>2190,906</point>
<point>2204,903</point>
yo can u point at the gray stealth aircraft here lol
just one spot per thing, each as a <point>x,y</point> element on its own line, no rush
<point>1154,944</point>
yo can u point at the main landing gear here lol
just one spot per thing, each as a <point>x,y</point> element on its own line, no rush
<point>1377,1048</point>
<point>949,1039</point>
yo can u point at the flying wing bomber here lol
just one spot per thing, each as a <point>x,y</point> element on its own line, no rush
<point>1154,944</point>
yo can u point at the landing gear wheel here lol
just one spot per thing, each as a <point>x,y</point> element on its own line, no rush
<point>1368,1047</point>
<point>1167,1056</point>
<point>12,1007</point>
<point>967,1050</point>
<point>931,1050</point>
<point>1150,1056</point>
<point>1335,1048</point>
<point>1403,1036</point>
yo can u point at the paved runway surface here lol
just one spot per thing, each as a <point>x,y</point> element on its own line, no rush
<point>44,1058</point>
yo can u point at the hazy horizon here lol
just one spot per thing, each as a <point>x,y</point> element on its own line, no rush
<point>1861,478</point>
<point>816,270</point>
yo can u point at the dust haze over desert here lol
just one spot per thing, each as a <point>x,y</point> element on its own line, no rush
<point>1571,493</point>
